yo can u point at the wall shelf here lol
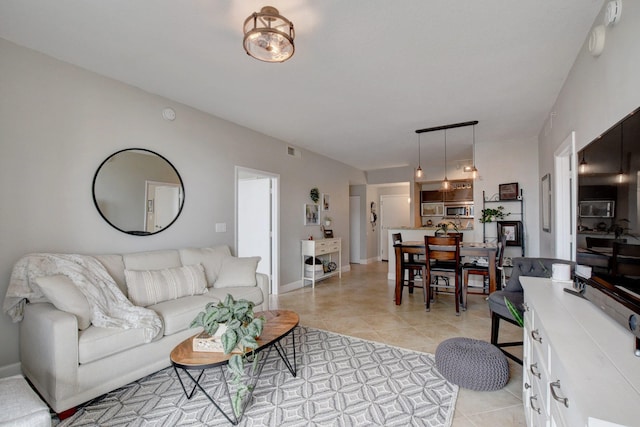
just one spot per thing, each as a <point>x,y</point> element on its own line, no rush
<point>516,217</point>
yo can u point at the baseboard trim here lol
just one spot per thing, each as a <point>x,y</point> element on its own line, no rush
<point>10,370</point>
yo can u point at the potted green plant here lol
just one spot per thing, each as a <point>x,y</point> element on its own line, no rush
<point>621,228</point>
<point>488,214</point>
<point>444,227</point>
<point>242,329</point>
<point>314,194</point>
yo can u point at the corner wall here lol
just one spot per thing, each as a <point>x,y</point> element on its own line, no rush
<point>58,122</point>
<point>597,93</point>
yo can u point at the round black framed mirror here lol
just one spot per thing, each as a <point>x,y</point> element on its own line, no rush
<point>138,191</point>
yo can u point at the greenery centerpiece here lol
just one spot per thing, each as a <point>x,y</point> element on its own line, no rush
<point>444,227</point>
<point>242,329</point>
<point>488,214</point>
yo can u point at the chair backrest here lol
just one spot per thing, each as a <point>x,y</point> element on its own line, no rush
<point>533,267</point>
<point>452,234</point>
<point>625,260</point>
<point>601,242</point>
<point>442,248</point>
<point>396,238</point>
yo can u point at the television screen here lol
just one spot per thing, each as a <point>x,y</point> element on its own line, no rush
<point>608,234</point>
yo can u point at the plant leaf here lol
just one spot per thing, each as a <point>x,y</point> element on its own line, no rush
<point>229,340</point>
<point>249,342</point>
<point>514,312</point>
<point>236,365</point>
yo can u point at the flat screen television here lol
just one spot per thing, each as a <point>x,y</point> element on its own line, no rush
<point>608,176</point>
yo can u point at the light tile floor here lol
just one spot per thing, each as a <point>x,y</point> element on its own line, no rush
<point>361,304</point>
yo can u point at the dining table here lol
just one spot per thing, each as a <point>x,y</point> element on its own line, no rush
<point>471,249</point>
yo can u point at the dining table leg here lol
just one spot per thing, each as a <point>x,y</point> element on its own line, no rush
<point>398,251</point>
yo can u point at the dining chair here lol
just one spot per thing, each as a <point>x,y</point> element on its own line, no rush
<point>625,260</point>
<point>600,263</point>
<point>475,269</point>
<point>411,266</point>
<point>442,257</point>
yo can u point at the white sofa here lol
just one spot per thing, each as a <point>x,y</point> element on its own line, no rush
<point>70,362</point>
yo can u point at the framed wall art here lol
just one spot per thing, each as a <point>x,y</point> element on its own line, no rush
<point>508,191</point>
<point>513,232</point>
<point>545,202</point>
<point>311,214</point>
<point>325,202</point>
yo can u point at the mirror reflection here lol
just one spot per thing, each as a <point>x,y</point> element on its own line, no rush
<point>138,191</point>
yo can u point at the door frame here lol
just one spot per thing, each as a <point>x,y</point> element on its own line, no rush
<point>275,220</point>
<point>565,188</point>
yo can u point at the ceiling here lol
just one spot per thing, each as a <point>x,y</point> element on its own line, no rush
<point>366,73</point>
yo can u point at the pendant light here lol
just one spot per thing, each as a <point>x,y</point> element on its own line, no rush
<point>582,166</point>
<point>620,176</point>
<point>445,184</point>
<point>474,170</point>
<point>419,170</point>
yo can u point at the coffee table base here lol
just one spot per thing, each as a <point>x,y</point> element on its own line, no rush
<point>235,419</point>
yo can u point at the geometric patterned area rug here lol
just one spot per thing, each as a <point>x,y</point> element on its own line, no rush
<point>341,381</point>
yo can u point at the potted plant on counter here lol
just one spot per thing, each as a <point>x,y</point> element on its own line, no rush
<point>236,325</point>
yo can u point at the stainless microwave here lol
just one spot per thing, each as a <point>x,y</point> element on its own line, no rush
<point>597,209</point>
<point>459,211</point>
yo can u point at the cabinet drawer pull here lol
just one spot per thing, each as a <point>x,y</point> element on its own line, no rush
<point>531,399</point>
<point>552,387</point>
<point>527,386</point>
<point>533,368</point>
<point>525,306</point>
<point>535,334</point>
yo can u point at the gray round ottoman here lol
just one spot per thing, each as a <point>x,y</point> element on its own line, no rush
<point>472,364</point>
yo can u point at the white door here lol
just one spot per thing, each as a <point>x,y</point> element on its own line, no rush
<point>394,212</point>
<point>257,220</point>
<point>254,221</point>
<point>354,229</point>
<point>163,205</point>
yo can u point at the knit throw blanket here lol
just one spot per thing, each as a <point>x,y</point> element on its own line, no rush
<point>109,307</point>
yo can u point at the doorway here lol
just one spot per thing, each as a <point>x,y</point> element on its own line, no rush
<point>394,212</point>
<point>354,229</point>
<point>565,199</point>
<point>163,201</point>
<point>257,203</point>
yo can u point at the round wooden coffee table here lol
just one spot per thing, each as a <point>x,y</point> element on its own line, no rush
<point>280,323</point>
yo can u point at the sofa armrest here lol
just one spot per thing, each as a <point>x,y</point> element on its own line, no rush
<point>262,281</point>
<point>49,350</point>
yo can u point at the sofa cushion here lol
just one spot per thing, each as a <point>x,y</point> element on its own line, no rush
<point>66,296</point>
<point>153,260</point>
<point>114,264</point>
<point>237,272</point>
<point>177,314</point>
<point>210,258</point>
<point>95,343</point>
<point>250,293</point>
<point>150,287</point>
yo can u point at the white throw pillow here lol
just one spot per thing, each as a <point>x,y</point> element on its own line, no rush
<point>148,287</point>
<point>210,258</point>
<point>237,272</point>
<point>66,296</point>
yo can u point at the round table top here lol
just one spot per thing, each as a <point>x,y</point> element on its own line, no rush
<point>278,325</point>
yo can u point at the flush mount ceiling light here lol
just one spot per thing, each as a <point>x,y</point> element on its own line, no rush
<point>268,36</point>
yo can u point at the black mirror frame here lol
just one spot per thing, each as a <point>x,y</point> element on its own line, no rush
<point>136,233</point>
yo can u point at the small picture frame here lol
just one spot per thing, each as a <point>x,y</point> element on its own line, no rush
<point>508,191</point>
<point>325,202</point>
<point>513,232</point>
<point>328,234</point>
<point>311,214</point>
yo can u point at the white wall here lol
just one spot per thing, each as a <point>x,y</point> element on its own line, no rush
<point>597,93</point>
<point>59,122</point>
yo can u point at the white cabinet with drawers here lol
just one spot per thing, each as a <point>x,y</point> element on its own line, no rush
<point>329,250</point>
<point>579,367</point>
